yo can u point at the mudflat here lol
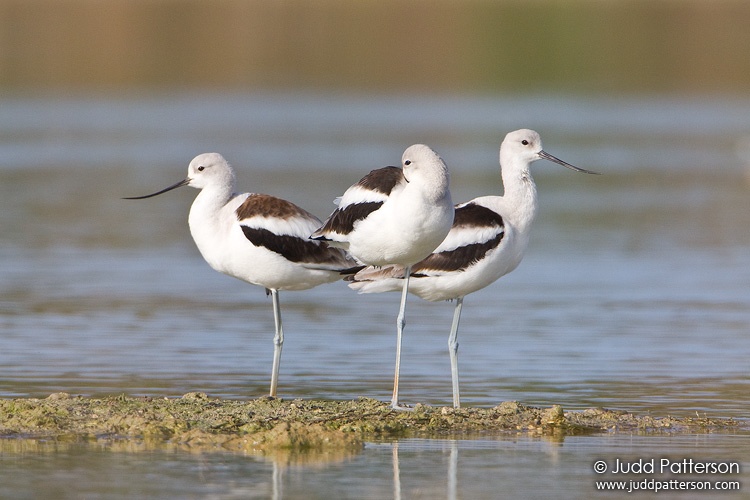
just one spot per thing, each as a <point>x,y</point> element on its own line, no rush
<point>198,422</point>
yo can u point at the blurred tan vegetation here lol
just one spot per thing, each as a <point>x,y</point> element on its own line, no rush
<point>603,46</point>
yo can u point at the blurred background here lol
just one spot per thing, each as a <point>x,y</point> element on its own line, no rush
<point>579,46</point>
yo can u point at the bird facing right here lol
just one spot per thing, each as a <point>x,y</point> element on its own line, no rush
<point>488,239</point>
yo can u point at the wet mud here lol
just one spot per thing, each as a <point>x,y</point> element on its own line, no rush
<point>200,423</point>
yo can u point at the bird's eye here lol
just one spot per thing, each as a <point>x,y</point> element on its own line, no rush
<point>407,162</point>
<point>201,168</point>
<point>525,142</point>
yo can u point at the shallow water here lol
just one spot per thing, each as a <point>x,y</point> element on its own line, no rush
<point>491,467</point>
<point>634,293</point>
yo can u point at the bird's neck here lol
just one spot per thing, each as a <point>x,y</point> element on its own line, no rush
<point>434,188</point>
<point>209,225</point>
<point>212,199</point>
<point>206,211</point>
<point>520,196</point>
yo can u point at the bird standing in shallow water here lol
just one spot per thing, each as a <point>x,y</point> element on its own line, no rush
<point>488,240</point>
<point>394,216</point>
<point>257,238</point>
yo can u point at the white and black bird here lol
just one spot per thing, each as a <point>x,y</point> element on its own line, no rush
<point>488,240</point>
<point>256,238</point>
<point>394,216</point>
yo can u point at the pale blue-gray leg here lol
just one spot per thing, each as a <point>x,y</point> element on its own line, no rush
<point>453,351</point>
<point>278,342</point>
<point>400,322</point>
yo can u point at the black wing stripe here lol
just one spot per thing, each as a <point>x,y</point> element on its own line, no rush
<point>292,248</point>
<point>457,259</point>
<point>343,219</point>
<point>473,215</point>
<point>382,180</point>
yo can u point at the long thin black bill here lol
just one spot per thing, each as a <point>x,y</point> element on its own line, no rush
<point>547,156</point>
<point>183,182</point>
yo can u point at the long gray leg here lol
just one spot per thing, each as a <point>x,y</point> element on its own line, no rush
<point>278,342</point>
<point>453,351</point>
<point>400,322</point>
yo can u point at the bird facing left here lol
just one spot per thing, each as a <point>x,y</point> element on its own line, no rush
<point>257,238</point>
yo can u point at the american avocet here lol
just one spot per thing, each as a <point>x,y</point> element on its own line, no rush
<point>488,240</point>
<point>394,216</point>
<point>257,238</point>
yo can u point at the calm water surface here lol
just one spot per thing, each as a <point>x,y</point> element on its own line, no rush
<point>486,468</point>
<point>634,294</point>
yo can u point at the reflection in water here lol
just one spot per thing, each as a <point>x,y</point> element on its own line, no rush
<point>453,471</point>
<point>396,473</point>
<point>278,487</point>
<point>548,447</point>
<point>451,477</point>
<point>408,468</point>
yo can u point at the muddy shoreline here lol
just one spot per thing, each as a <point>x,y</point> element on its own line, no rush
<point>198,422</point>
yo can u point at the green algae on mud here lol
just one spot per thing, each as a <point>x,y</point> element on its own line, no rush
<point>200,423</point>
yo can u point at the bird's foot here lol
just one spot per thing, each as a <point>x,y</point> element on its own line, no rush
<point>398,407</point>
